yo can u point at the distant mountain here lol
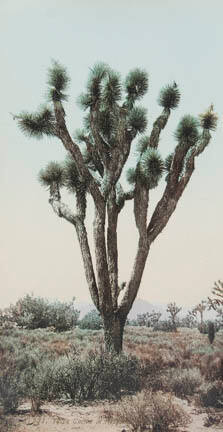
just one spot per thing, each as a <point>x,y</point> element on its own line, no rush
<point>141,306</point>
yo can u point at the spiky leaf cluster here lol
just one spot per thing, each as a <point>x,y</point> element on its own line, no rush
<point>37,124</point>
<point>208,120</point>
<point>73,181</point>
<point>107,123</point>
<point>151,167</point>
<point>58,81</point>
<point>53,173</point>
<point>112,91</point>
<point>169,96</point>
<point>187,131</point>
<point>142,144</point>
<point>80,135</point>
<point>137,119</point>
<point>136,85</point>
<point>167,165</point>
<point>131,175</point>
<point>168,162</point>
<point>94,86</point>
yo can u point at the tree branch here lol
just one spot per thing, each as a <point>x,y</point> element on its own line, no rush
<point>158,125</point>
<point>134,283</point>
<point>103,282</point>
<point>74,150</point>
<point>112,247</point>
<point>176,186</point>
<point>62,210</point>
<point>119,156</point>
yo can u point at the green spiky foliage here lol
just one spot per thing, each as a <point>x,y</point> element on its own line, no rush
<point>52,173</point>
<point>38,124</point>
<point>142,144</point>
<point>169,97</point>
<point>79,135</point>
<point>151,168</point>
<point>168,162</point>
<point>167,165</point>
<point>94,86</point>
<point>208,120</point>
<point>73,181</point>
<point>112,91</point>
<point>187,130</point>
<point>137,119</point>
<point>75,184</point>
<point>131,175</point>
<point>136,85</point>
<point>58,81</point>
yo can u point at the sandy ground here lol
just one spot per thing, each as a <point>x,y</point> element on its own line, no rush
<point>88,418</point>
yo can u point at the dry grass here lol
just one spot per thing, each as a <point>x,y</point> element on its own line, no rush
<point>148,411</point>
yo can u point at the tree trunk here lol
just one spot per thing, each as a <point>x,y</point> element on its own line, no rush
<point>113,332</point>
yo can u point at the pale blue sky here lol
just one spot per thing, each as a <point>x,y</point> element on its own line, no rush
<point>172,40</point>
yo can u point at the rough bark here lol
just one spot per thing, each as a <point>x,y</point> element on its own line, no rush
<point>113,332</point>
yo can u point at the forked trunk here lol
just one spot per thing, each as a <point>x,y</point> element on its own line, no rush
<point>113,332</point>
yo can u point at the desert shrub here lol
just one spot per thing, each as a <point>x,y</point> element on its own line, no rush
<point>204,327</point>
<point>96,376</point>
<point>38,383</point>
<point>188,321</point>
<point>211,394</point>
<point>11,391</point>
<point>211,365</point>
<point>148,319</point>
<point>24,373</point>
<point>165,326</point>
<point>5,423</point>
<point>37,312</point>
<point>184,382</point>
<point>91,321</point>
<point>152,368</point>
<point>147,411</point>
<point>63,316</point>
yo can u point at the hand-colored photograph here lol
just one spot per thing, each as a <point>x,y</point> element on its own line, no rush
<point>111,306</point>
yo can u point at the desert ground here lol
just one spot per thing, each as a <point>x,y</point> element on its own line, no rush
<point>163,356</point>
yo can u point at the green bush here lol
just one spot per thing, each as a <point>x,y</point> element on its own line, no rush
<point>148,319</point>
<point>91,321</point>
<point>11,391</point>
<point>204,327</point>
<point>184,382</point>
<point>37,381</point>
<point>96,376</point>
<point>165,326</point>
<point>211,394</point>
<point>36,312</point>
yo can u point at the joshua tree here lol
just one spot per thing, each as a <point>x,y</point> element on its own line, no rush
<point>217,292</point>
<point>96,159</point>
<point>173,310</point>
<point>200,308</point>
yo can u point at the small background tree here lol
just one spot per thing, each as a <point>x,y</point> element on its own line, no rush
<point>96,159</point>
<point>173,311</point>
<point>200,309</point>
